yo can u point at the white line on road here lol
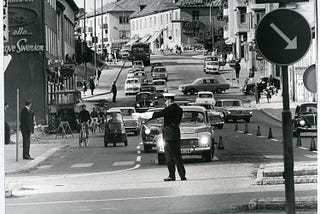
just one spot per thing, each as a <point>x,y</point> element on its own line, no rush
<point>82,165</point>
<point>249,134</point>
<point>240,131</point>
<point>138,158</point>
<point>311,156</point>
<point>274,140</point>
<point>303,148</point>
<point>139,152</point>
<point>262,136</point>
<point>141,143</point>
<point>123,163</point>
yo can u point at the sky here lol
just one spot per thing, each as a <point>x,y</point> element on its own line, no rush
<point>90,3</point>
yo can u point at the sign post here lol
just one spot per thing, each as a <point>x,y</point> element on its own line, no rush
<point>280,43</point>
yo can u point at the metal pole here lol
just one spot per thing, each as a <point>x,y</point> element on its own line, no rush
<point>85,41</point>
<point>212,28</point>
<point>102,25</point>
<point>316,30</point>
<point>95,36</point>
<point>17,127</point>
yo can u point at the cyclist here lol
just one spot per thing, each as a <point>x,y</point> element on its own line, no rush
<point>102,117</point>
<point>95,117</point>
<point>84,117</point>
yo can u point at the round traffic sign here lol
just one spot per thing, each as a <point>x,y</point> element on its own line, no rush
<point>283,36</point>
<point>310,79</point>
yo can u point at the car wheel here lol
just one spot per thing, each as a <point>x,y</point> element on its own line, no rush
<point>114,144</point>
<point>161,158</point>
<point>126,143</point>
<point>218,90</point>
<point>146,148</point>
<point>192,91</point>
<point>208,156</point>
<point>105,144</point>
<point>234,120</point>
<point>247,120</point>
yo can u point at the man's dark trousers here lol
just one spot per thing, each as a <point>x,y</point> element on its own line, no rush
<point>173,157</point>
<point>26,144</point>
<point>114,96</point>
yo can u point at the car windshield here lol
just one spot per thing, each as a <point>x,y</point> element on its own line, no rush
<point>127,112</point>
<point>159,83</point>
<point>147,89</point>
<point>205,95</point>
<point>132,81</point>
<point>231,103</point>
<point>159,70</point>
<point>143,96</point>
<point>207,106</point>
<point>192,117</point>
<point>139,74</point>
<point>138,63</point>
<point>114,118</point>
<point>211,59</point>
<point>307,109</point>
<point>156,64</point>
<point>196,82</point>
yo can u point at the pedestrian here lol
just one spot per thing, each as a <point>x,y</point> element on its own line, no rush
<point>237,69</point>
<point>268,92</point>
<point>257,93</point>
<point>114,91</point>
<point>92,85</point>
<point>84,87</point>
<point>98,76</point>
<point>27,128</point>
<point>6,127</point>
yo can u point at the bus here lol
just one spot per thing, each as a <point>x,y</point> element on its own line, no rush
<point>140,51</point>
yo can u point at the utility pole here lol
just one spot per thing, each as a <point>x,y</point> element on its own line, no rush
<point>211,25</point>
<point>85,42</point>
<point>102,27</point>
<point>95,36</point>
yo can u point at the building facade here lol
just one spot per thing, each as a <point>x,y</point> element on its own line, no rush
<point>41,43</point>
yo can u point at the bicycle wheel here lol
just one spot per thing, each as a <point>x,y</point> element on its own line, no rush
<point>80,137</point>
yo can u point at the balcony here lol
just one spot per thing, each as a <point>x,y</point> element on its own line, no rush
<point>242,23</point>
<point>256,7</point>
<point>241,3</point>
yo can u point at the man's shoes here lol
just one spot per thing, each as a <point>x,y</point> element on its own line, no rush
<point>28,158</point>
<point>169,179</point>
<point>183,178</point>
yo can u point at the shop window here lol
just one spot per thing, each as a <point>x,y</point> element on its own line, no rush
<point>195,15</point>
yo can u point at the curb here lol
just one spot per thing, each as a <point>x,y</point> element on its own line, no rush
<point>270,115</point>
<point>277,203</point>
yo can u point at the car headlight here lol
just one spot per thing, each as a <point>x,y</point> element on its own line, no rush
<point>151,104</point>
<point>250,112</point>
<point>138,105</point>
<point>221,115</point>
<point>147,131</point>
<point>204,141</point>
<point>229,112</point>
<point>302,122</point>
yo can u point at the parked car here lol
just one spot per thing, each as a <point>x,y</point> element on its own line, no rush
<point>114,130</point>
<point>182,102</point>
<point>124,53</point>
<point>208,59</point>
<point>150,129</point>
<point>132,86</point>
<point>137,64</point>
<point>161,85</point>
<point>159,73</point>
<point>196,135</point>
<point>305,118</point>
<point>234,110</point>
<point>216,84</point>
<point>216,118</point>
<point>130,75</point>
<point>205,97</point>
<point>248,87</point>
<point>130,124</point>
<point>156,64</point>
<point>145,101</point>
<point>212,67</point>
<point>141,75</point>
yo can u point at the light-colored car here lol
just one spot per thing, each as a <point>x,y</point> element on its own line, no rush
<point>130,124</point>
<point>130,75</point>
<point>216,84</point>
<point>196,134</point>
<point>114,130</point>
<point>141,75</point>
<point>138,64</point>
<point>212,67</point>
<point>161,85</point>
<point>205,97</point>
<point>124,53</point>
<point>233,109</point>
<point>159,73</point>
<point>132,86</point>
<point>216,118</point>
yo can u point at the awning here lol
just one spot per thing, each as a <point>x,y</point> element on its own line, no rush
<point>154,36</point>
<point>230,41</point>
<point>131,42</point>
<point>145,38</point>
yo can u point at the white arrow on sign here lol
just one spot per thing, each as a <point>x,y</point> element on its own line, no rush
<point>292,44</point>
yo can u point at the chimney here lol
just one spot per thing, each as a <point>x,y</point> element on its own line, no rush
<point>141,7</point>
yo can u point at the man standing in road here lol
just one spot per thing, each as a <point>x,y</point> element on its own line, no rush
<point>27,128</point>
<point>171,134</point>
<point>237,69</point>
<point>114,91</point>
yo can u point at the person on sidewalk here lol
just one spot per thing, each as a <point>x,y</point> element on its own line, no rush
<point>92,85</point>
<point>98,76</point>
<point>6,128</point>
<point>27,128</point>
<point>114,91</point>
<point>237,69</point>
<point>257,93</point>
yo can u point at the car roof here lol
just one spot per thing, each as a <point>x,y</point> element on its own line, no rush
<point>229,100</point>
<point>119,108</point>
<point>200,104</point>
<point>144,92</point>
<point>308,103</point>
<point>193,108</point>
<point>113,111</point>
<point>155,109</point>
<point>205,92</point>
<point>159,80</point>
<point>132,78</point>
<point>162,66</point>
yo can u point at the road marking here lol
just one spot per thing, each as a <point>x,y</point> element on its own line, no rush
<point>123,163</point>
<point>249,134</point>
<point>138,158</point>
<point>139,152</point>
<point>274,156</point>
<point>262,136</point>
<point>138,147</point>
<point>311,156</point>
<point>44,167</point>
<point>240,131</point>
<point>141,143</point>
<point>81,165</point>
<point>274,140</point>
<point>303,148</point>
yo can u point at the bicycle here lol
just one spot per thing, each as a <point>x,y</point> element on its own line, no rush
<point>83,135</point>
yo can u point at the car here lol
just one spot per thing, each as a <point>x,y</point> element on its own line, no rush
<point>205,97</point>
<point>130,75</point>
<point>145,101</point>
<point>216,84</point>
<point>137,64</point>
<point>262,82</point>
<point>132,86</point>
<point>209,59</point>
<point>156,64</point>
<point>233,109</point>
<point>141,75</point>
<point>216,118</point>
<point>130,124</point>
<point>196,135</point>
<point>212,67</point>
<point>161,85</point>
<point>159,73</point>
<point>305,119</point>
<point>114,130</point>
<point>124,53</point>
<point>150,129</point>
<point>182,102</point>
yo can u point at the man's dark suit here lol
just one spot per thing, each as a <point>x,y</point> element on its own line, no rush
<point>27,128</point>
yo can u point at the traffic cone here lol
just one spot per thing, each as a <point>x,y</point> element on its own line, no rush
<point>246,131</point>
<point>258,131</point>
<point>220,144</point>
<point>298,140</point>
<point>270,136</point>
<point>236,128</point>
<point>313,145</point>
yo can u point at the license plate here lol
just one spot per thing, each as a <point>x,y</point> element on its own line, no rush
<point>186,151</point>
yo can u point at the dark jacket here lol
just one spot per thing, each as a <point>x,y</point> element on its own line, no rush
<point>114,88</point>
<point>27,121</point>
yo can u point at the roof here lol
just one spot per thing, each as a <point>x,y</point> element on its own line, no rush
<point>205,92</point>
<point>155,6</point>
<point>114,111</point>
<point>199,3</point>
<point>73,5</point>
<point>193,108</point>
<point>155,109</point>
<point>119,108</point>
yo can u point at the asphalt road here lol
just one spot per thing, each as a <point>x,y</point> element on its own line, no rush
<point>126,180</point>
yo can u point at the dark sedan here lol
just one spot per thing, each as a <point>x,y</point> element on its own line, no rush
<point>305,119</point>
<point>144,101</point>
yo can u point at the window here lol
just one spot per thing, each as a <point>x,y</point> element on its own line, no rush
<point>150,23</point>
<point>123,34</point>
<point>140,23</point>
<point>154,21</point>
<point>167,19</point>
<point>161,19</point>
<point>145,22</point>
<point>195,15</point>
<point>123,19</point>
<point>170,17</point>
